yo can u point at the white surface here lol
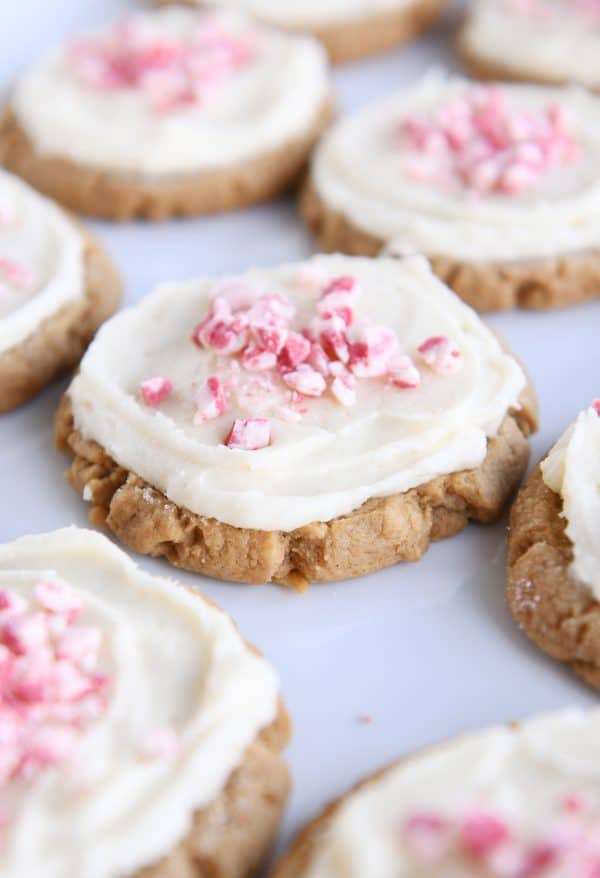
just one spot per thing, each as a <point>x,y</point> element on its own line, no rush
<point>426,649</point>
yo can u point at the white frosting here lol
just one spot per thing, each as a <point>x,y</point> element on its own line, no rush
<point>360,169</point>
<point>335,458</point>
<point>560,45</point>
<point>304,13</point>
<point>37,235</point>
<point>572,469</point>
<point>177,662</point>
<point>521,773</point>
<point>273,100</point>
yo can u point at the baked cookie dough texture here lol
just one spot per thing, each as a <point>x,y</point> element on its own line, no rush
<point>348,28</point>
<point>501,802</point>
<point>497,185</point>
<point>171,111</point>
<point>554,561</point>
<point>56,287</point>
<point>554,41</point>
<point>225,409</point>
<point>129,704</point>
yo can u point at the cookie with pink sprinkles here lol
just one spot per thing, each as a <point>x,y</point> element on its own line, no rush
<point>141,735</point>
<point>175,111</point>
<point>497,185</point>
<point>506,802</point>
<point>307,423</point>
<point>552,41</point>
<point>56,287</point>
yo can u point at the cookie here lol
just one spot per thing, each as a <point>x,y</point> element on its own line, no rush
<point>553,567</point>
<point>349,29</point>
<point>56,287</point>
<point>496,185</point>
<point>168,112</point>
<point>506,802</point>
<point>141,734</point>
<point>549,41</point>
<point>321,421</point>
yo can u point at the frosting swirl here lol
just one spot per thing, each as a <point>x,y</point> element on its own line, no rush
<point>184,701</point>
<point>394,434</point>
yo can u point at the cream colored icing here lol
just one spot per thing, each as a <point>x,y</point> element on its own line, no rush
<point>360,169</point>
<point>38,236</point>
<point>304,13</point>
<point>561,45</point>
<point>265,105</point>
<point>176,662</point>
<point>572,469</point>
<point>521,773</point>
<point>335,458</point>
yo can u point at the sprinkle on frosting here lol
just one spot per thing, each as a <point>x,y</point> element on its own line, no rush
<point>172,73</point>
<point>266,366</point>
<point>480,142</point>
<point>50,683</point>
<point>485,842</point>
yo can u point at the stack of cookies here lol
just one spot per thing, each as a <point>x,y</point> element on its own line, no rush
<point>313,421</point>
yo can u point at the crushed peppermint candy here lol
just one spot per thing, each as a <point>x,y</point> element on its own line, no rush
<point>265,366</point>
<point>480,142</point>
<point>15,273</point>
<point>156,390</point>
<point>174,73</point>
<point>487,845</point>
<point>51,686</point>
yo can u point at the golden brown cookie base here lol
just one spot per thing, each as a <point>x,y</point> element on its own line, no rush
<point>58,344</point>
<point>378,534</point>
<point>558,614</point>
<point>112,196</point>
<point>231,837</point>
<point>566,279</point>
<point>349,40</point>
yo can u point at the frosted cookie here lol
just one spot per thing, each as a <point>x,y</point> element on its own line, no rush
<point>307,423</point>
<point>170,112</point>
<point>554,41</point>
<point>141,735</point>
<point>506,802</point>
<point>56,288</point>
<point>554,560</point>
<point>498,185</point>
<point>348,29</point>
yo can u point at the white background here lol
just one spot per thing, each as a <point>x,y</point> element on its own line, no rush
<point>428,649</point>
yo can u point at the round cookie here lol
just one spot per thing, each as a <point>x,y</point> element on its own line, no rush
<point>56,287</point>
<point>169,112</point>
<point>507,802</point>
<point>551,41</point>
<point>349,29</point>
<point>497,185</point>
<point>315,422</point>
<point>553,566</point>
<point>141,735</point>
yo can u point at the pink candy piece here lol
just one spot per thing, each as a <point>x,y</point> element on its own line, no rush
<point>441,355</point>
<point>210,401</point>
<point>482,833</point>
<point>78,644</point>
<point>11,604</point>
<point>403,372</point>
<point>270,338</point>
<point>478,141</point>
<point>306,380</point>
<point>371,350</point>
<point>338,299</point>
<point>155,390</point>
<point>250,434</point>
<point>426,834</point>
<point>295,350</point>
<point>257,359</point>
<point>318,359</point>
<point>343,386</point>
<point>59,599</point>
<point>15,273</point>
<point>596,406</point>
<point>25,634</point>
<point>160,744</point>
